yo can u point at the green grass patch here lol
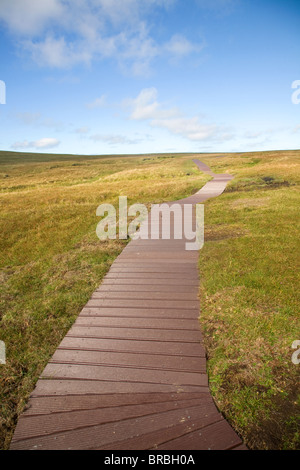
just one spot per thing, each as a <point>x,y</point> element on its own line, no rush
<point>250,297</point>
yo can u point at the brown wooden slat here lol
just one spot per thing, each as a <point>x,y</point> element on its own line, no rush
<point>153,271</point>
<point>134,323</point>
<point>151,261</point>
<point>218,436</point>
<point>139,294</point>
<point>140,303</point>
<point>133,312</point>
<point>90,437</point>
<point>123,374</point>
<point>135,346</point>
<point>151,361</point>
<point>147,334</point>
<point>35,426</point>
<point>139,280</point>
<point>171,289</point>
<point>63,404</point>
<point>50,387</point>
<point>152,275</point>
<point>240,447</point>
<point>157,438</point>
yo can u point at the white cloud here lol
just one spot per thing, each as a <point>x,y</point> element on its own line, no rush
<point>253,135</point>
<point>31,118</point>
<point>58,126</point>
<point>113,139</point>
<point>21,145</point>
<point>82,130</point>
<point>45,143</point>
<point>180,46</point>
<point>97,103</point>
<point>191,128</point>
<point>147,108</point>
<point>56,52</point>
<point>263,133</point>
<point>29,16</point>
<point>28,117</point>
<point>136,50</point>
<point>65,33</point>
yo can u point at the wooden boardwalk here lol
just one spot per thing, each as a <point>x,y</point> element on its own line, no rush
<point>131,372</point>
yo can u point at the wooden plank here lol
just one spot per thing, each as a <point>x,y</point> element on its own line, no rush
<point>123,374</point>
<point>140,303</point>
<point>185,336</point>
<point>157,438</point>
<point>139,280</point>
<point>148,288</point>
<point>153,274</point>
<point>134,346</point>
<point>139,294</point>
<point>35,426</point>
<point>50,387</point>
<point>157,361</point>
<point>218,436</point>
<point>173,271</point>
<point>93,436</point>
<point>62,404</point>
<point>160,257</point>
<point>240,447</point>
<point>148,323</point>
<point>136,312</point>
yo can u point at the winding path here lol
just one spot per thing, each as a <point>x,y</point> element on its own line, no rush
<point>131,372</point>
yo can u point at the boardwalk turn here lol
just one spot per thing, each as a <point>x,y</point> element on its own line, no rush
<point>131,372</point>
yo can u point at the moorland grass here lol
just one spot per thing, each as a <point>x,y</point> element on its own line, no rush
<point>249,270</point>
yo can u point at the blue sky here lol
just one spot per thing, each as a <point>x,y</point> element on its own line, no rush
<point>138,76</point>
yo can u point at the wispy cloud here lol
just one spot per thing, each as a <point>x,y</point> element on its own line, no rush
<point>97,103</point>
<point>82,130</point>
<point>36,119</point>
<point>179,46</point>
<point>65,33</point>
<point>296,129</point>
<point>30,17</point>
<point>28,118</point>
<point>113,139</point>
<point>146,107</point>
<point>45,143</point>
<point>264,133</point>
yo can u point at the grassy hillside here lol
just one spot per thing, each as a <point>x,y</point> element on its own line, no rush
<point>51,262</point>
